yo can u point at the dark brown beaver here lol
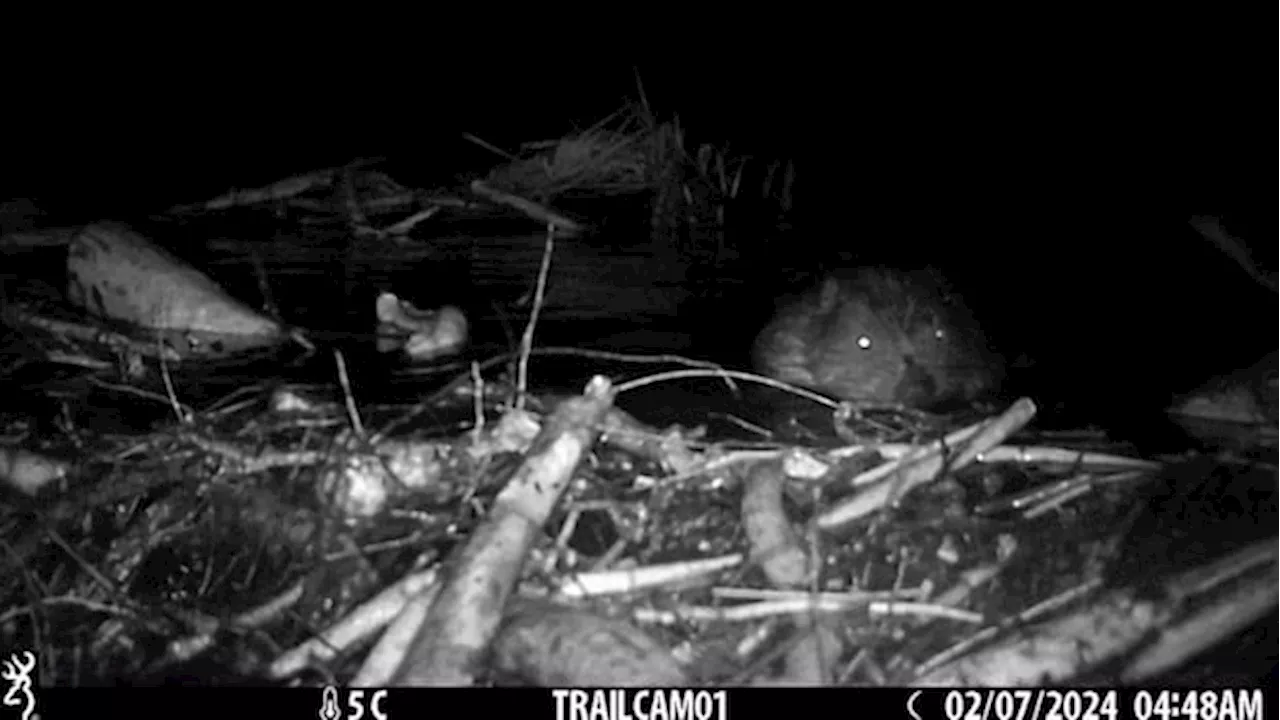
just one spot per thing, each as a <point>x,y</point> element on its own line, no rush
<point>878,335</point>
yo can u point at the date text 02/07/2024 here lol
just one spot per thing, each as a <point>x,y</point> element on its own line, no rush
<point>1090,704</point>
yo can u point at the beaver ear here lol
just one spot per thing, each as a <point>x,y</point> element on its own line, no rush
<point>830,293</point>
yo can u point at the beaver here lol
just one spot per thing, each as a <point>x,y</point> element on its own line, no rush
<point>880,335</point>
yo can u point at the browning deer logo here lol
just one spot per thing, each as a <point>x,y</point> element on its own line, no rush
<point>18,673</point>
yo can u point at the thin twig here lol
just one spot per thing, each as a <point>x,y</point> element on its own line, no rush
<point>264,284</point>
<point>352,412</point>
<point>477,379</point>
<point>182,417</point>
<point>526,342</point>
<point>489,146</point>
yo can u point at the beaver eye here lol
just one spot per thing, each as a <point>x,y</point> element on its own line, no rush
<point>864,342</point>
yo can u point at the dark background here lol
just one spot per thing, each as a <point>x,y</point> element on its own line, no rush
<point>1056,193</point>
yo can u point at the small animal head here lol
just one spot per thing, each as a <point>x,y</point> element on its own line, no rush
<point>879,335</point>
